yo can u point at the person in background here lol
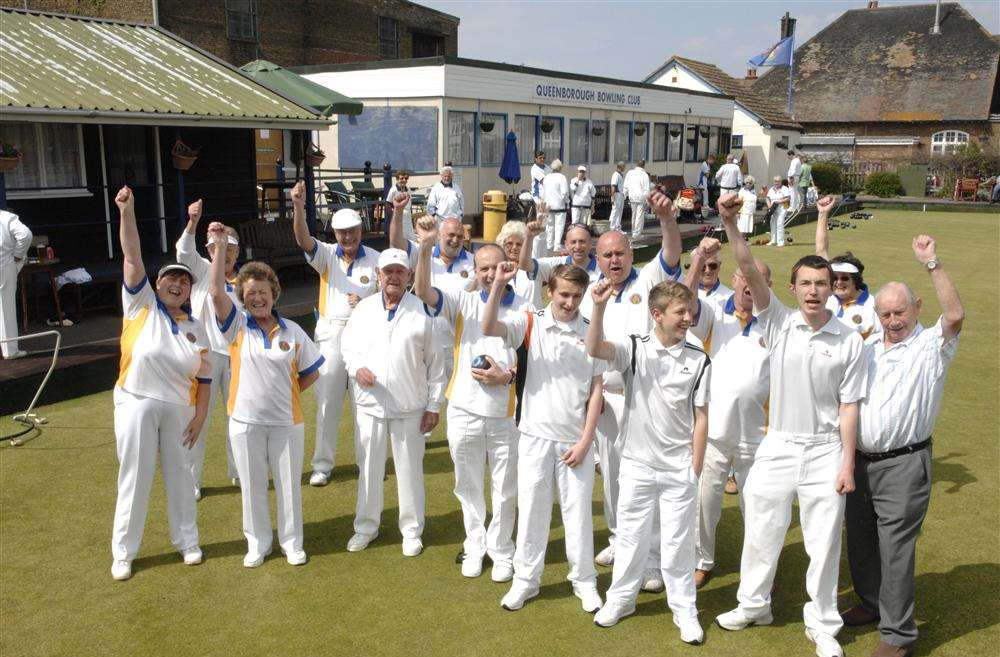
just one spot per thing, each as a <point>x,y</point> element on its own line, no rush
<point>704,174</point>
<point>538,172</point>
<point>445,198</point>
<point>777,207</point>
<point>729,176</point>
<point>398,189</point>
<point>577,247</point>
<point>749,197</point>
<point>710,287</point>
<point>794,174</point>
<point>805,180</point>
<point>15,239</point>
<point>617,196</point>
<point>582,192</point>
<point>637,188</point>
<point>555,195</point>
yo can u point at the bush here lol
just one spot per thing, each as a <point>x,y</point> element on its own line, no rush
<point>883,184</point>
<point>829,178</point>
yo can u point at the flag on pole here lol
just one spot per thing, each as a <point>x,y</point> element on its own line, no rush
<point>780,54</point>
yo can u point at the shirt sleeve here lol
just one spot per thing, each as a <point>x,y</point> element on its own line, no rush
<point>350,344</point>
<point>855,381</point>
<point>772,318</point>
<point>321,256</point>
<point>432,201</point>
<point>310,358</point>
<point>22,236</point>
<point>450,303</point>
<point>136,298</point>
<point>704,319</point>
<point>623,356</point>
<point>703,384</point>
<point>187,254</point>
<point>940,350</point>
<point>657,270</point>
<point>517,328</point>
<point>230,326</point>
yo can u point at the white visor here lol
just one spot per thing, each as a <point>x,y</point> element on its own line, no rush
<point>844,268</point>
<point>229,240</point>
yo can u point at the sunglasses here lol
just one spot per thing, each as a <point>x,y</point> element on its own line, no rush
<point>710,266</point>
<point>845,279</point>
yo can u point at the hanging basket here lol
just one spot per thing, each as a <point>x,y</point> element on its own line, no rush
<point>9,163</point>
<point>547,126</point>
<point>703,130</point>
<point>184,156</point>
<point>639,130</point>
<point>314,156</point>
<point>675,132</point>
<point>597,132</point>
<point>486,126</point>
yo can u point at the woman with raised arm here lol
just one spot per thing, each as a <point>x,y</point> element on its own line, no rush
<point>161,398</point>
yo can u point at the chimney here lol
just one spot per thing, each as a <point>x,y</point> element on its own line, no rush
<point>751,74</point>
<point>787,26</point>
<point>873,4</point>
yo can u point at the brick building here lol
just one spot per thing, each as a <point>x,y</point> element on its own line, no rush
<point>287,32</point>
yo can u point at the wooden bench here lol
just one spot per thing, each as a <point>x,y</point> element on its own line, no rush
<point>272,242</point>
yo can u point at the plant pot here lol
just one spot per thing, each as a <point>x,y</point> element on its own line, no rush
<point>597,132</point>
<point>703,131</point>
<point>184,162</point>
<point>547,126</point>
<point>639,131</point>
<point>315,159</point>
<point>486,126</point>
<point>8,164</point>
<point>675,133</point>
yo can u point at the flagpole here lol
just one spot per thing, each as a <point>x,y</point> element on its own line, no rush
<point>791,72</point>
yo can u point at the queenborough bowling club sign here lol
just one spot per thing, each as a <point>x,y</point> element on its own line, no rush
<point>587,95</point>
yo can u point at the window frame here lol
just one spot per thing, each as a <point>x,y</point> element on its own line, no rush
<point>475,139</point>
<point>59,192</point>
<point>586,134</point>
<point>254,13</point>
<point>666,142</point>
<point>690,153</point>
<point>479,136</point>
<point>632,137</point>
<point>561,123</point>
<point>944,146</point>
<point>680,143</point>
<point>732,142</point>
<point>382,40</point>
<point>606,135</point>
<point>527,155</point>
<point>628,150</point>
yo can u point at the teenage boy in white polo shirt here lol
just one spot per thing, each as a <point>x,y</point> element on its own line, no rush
<point>817,379</point>
<point>481,404</point>
<point>346,276</point>
<point>561,404</point>
<point>666,425</point>
<point>397,381</point>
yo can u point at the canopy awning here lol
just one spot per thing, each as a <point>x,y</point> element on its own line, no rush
<point>303,91</point>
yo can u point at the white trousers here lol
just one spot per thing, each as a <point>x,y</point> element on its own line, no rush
<point>8,307</point>
<point>617,208</point>
<point>258,449</point>
<point>475,442</point>
<point>704,198</point>
<point>555,224</point>
<point>371,436</point>
<point>778,225</point>
<point>540,470</point>
<point>781,472</point>
<point>196,455</point>
<point>610,455</point>
<point>581,216</point>
<point>672,494</point>
<point>331,389</point>
<point>795,197</point>
<point>145,428</point>
<point>638,217</point>
<point>721,456</point>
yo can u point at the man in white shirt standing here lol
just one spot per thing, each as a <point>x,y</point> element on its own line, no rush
<point>729,176</point>
<point>637,188</point>
<point>555,194</point>
<point>794,171</point>
<point>617,196</point>
<point>777,206</point>
<point>582,191</point>
<point>817,379</point>
<point>907,365</point>
<point>15,238</point>
<point>445,198</point>
<point>397,380</point>
<point>538,171</point>
<point>703,177</point>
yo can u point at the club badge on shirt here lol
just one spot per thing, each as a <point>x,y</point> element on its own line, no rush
<point>190,337</point>
<point>364,280</point>
<point>635,298</point>
<point>284,346</point>
<point>857,319</point>
<point>464,274</point>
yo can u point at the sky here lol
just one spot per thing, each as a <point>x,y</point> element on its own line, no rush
<point>629,39</point>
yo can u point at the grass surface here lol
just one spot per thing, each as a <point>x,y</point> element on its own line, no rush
<point>58,493</point>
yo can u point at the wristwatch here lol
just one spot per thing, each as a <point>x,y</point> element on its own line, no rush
<point>932,264</point>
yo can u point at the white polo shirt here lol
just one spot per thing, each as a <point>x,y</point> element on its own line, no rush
<point>528,288</point>
<point>905,384</point>
<point>538,173</point>
<point>582,192</point>
<point>718,294</point>
<point>558,374</point>
<point>544,266</point>
<point>618,182</point>
<point>339,278</point>
<point>456,275</point>
<point>464,310</point>
<point>812,373</point>
<point>408,230</point>
<point>741,372</point>
<point>266,368</point>
<point>400,348</point>
<point>446,200</point>
<point>859,315</point>
<point>668,383</point>
<point>779,195</point>
<point>555,190</point>
<point>627,313</point>
<point>201,300</point>
<point>162,358</point>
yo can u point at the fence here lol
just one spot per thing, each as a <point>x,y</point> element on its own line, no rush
<point>856,173</point>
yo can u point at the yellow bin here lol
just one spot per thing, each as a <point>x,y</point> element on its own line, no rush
<point>494,213</point>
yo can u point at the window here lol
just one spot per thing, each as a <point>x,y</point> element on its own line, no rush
<point>703,134</point>
<point>427,45</point>
<point>659,142</point>
<point>946,141</point>
<point>491,144</point>
<point>52,158</point>
<point>599,142</point>
<point>713,141</point>
<point>676,134</point>
<point>526,128</point>
<point>126,151</point>
<point>736,141</point>
<point>241,20</point>
<point>462,138</point>
<point>725,140</point>
<point>551,141</point>
<point>623,139</point>
<point>640,143</point>
<point>579,141</point>
<point>691,143</point>
<point>388,38</point>
<point>404,136</point>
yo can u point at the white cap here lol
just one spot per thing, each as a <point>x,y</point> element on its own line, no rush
<point>844,268</point>
<point>581,168</point>
<point>393,257</point>
<point>345,219</point>
<point>229,240</point>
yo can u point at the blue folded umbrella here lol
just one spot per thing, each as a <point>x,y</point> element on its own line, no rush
<point>510,169</point>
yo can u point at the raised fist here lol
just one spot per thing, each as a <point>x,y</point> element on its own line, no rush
<point>709,246</point>
<point>400,201</point>
<point>217,233</point>
<point>299,195</point>
<point>601,292</point>
<point>825,205</point>
<point>194,211</point>
<point>924,248</point>
<point>124,199</point>
<point>427,230</point>
<point>729,207</point>
<point>506,271</point>
<point>662,206</point>
<point>535,228</point>
<point>541,209</point>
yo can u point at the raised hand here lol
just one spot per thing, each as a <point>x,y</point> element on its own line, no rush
<point>541,209</point>
<point>709,246</point>
<point>825,205</point>
<point>400,201</point>
<point>365,378</point>
<point>217,233</point>
<point>506,271</point>
<point>124,199</point>
<point>194,211</point>
<point>729,207</point>
<point>535,228</point>
<point>601,292</point>
<point>924,248</point>
<point>661,204</point>
<point>299,195</point>
<point>427,230</point>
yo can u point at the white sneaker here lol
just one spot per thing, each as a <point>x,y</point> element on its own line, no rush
<point>359,542</point>
<point>254,559</point>
<point>197,494</point>
<point>20,353</point>
<point>412,547</point>
<point>691,631</point>
<point>121,569</point>
<point>652,582</point>
<point>606,557</point>
<point>192,556</point>
<point>319,478</point>
<point>235,481</point>
<point>590,599</point>
<point>611,613</point>
<point>736,620</point>
<point>472,566</point>
<point>826,645</point>
<point>502,572</point>
<point>296,557</point>
<point>518,594</point>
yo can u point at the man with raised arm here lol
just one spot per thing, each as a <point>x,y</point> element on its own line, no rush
<point>817,379</point>
<point>577,245</point>
<point>907,365</point>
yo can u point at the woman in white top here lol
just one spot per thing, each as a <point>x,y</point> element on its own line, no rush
<point>272,360</point>
<point>161,399</point>
<point>778,196</point>
<point>512,240</point>
<point>749,198</point>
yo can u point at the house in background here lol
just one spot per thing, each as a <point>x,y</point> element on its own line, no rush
<point>762,130</point>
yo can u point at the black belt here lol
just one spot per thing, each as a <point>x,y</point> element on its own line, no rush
<point>587,207</point>
<point>893,453</point>
<point>729,188</point>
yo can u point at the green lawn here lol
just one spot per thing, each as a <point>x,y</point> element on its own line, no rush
<point>58,493</point>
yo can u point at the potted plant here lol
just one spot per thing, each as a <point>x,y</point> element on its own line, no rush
<point>547,126</point>
<point>486,125</point>
<point>597,131</point>
<point>675,131</point>
<point>10,157</point>
<point>639,129</point>
<point>183,155</point>
<point>703,131</point>
<point>314,156</point>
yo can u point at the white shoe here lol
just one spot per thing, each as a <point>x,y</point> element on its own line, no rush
<point>412,547</point>
<point>590,599</point>
<point>20,353</point>
<point>691,631</point>
<point>121,569</point>
<point>652,582</point>
<point>197,494</point>
<point>502,572</point>
<point>606,557</point>
<point>826,645</point>
<point>359,542</point>
<point>296,557</point>
<point>192,556</point>
<point>472,566</point>
<point>611,613</point>
<point>319,478</point>
<point>518,595</point>
<point>235,481</point>
<point>736,620</point>
<point>254,560</point>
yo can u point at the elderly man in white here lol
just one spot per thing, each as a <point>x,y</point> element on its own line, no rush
<point>15,238</point>
<point>637,188</point>
<point>445,198</point>
<point>555,195</point>
<point>777,200</point>
<point>794,172</point>
<point>617,196</point>
<point>582,191</point>
<point>729,176</point>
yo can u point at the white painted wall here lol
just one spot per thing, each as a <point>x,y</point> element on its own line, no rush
<point>678,76</point>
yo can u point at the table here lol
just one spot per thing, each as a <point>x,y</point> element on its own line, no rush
<point>26,276</point>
